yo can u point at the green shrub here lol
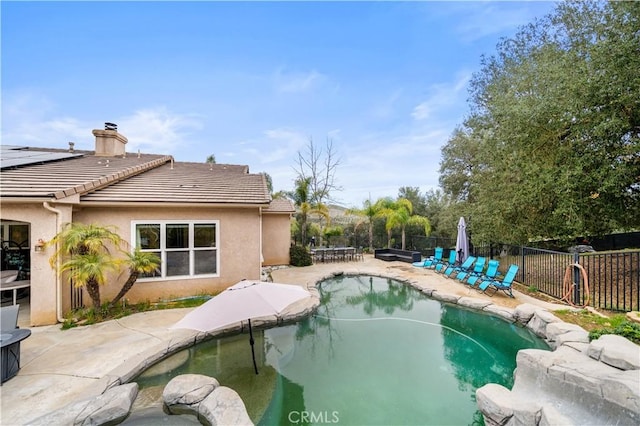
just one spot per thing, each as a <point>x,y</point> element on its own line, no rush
<point>630,330</point>
<point>299,256</point>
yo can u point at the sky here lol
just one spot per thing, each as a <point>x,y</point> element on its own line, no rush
<point>254,82</point>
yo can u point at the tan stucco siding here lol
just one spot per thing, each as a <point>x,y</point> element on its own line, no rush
<point>239,245</point>
<point>43,224</point>
<point>276,239</point>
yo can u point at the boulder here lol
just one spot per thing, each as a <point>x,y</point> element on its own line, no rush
<point>500,407</point>
<point>568,387</point>
<point>183,393</point>
<point>622,388</point>
<point>473,303</point>
<point>445,297</point>
<point>559,333</point>
<point>501,311</point>
<point>110,408</point>
<point>524,312</point>
<point>428,291</point>
<point>540,320</point>
<point>615,351</point>
<point>224,407</point>
<point>494,401</point>
<point>633,316</point>
<point>203,397</point>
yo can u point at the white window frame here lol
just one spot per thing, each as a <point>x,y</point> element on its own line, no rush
<point>191,249</point>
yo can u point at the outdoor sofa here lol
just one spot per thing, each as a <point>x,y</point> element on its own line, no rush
<point>397,254</point>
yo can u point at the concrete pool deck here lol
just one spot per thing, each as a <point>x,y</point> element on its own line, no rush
<point>62,366</point>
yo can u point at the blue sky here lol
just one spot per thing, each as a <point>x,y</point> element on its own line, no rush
<point>252,82</point>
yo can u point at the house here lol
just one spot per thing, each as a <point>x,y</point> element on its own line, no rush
<point>211,224</point>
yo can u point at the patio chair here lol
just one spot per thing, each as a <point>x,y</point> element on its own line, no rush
<point>478,268</point>
<point>358,254</point>
<point>431,260</point>
<point>490,274</point>
<point>502,285</point>
<point>465,266</point>
<point>9,317</point>
<point>330,254</point>
<point>444,264</point>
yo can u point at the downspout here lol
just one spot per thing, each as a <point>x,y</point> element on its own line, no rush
<point>261,254</point>
<point>58,213</point>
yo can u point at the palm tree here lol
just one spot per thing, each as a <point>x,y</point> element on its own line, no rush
<point>302,199</point>
<point>88,259</point>
<point>399,214</point>
<point>369,211</point>
<point>139,262</point>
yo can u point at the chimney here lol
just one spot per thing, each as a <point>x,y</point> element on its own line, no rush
<point>109,143</point>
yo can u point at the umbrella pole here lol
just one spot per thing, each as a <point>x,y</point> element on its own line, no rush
<point>253,354</point>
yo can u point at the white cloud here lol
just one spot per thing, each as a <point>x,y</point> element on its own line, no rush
<point>333,134</point>
<point>422,111</point>
<point>386,108</point>
<point>441,97</point>
<point>479,19</point>
<point>377,165</point>
<point>281,144</point>
<point>34,120</point>
<point>297,82</point>
<point>31,119</point>
<point>158,130</point>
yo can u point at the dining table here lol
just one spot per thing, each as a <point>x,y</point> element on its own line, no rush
<point>10,351</point>
<point>333,254</point>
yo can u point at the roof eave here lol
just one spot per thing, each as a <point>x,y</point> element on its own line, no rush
<point>170,204</point>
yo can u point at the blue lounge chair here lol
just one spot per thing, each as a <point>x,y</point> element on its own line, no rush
<point>444,264</point>
<point>490,274</point>
<point>430,261</point>
<point>502,285</point>
<point>478,268</point>
<point>455,269</point>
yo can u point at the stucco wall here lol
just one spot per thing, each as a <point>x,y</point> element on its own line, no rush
<point>276,239</point>
<point>239,247</point>
<point>43,289</point>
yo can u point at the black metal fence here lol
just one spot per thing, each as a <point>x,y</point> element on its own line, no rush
<point>612,279</point>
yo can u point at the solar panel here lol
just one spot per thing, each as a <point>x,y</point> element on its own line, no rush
<point>13,156</point>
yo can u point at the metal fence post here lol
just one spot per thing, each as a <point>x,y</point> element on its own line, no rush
<point>523,264</point>
<point>576,279</point>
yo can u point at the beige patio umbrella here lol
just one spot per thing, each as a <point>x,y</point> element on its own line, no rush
<point>242,301</point>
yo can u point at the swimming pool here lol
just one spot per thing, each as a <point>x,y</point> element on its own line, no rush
<point>376,352</point>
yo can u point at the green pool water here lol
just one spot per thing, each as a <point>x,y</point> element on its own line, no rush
<point>377,352</point>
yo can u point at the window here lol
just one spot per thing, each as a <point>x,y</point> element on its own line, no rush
<point>186,248</point>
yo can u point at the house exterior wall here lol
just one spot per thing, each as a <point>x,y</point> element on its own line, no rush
<point>43,225</point>
<point>276,239</point>
<point>239,246</point>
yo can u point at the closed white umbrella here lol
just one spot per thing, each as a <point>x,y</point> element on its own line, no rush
<point>240,302</point>
<point>462,242</point>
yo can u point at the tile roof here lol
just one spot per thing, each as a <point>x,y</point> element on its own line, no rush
<point>280,205</point>
<point>70,176</point>
<point>134,178</point>
<point>188,183</point>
